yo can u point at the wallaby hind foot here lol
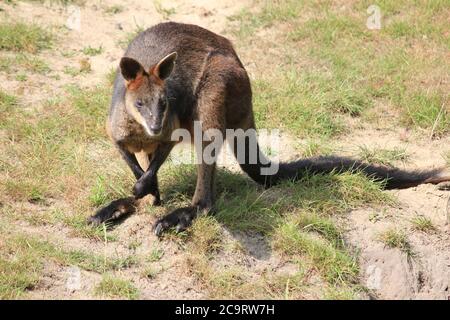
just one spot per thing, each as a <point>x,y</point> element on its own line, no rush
<point>179,219</point>
<point>115,210</point>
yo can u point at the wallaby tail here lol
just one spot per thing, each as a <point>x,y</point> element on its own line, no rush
<point>394,178</point>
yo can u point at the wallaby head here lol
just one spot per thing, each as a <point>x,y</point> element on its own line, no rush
<point>145,97</point>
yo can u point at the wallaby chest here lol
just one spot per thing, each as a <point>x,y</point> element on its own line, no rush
<point>129,134</point>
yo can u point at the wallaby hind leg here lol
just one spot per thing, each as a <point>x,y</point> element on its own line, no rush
<point>211,114</point>
<point>202,202</point>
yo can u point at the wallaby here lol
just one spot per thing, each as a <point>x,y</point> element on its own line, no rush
<point>173,74</point>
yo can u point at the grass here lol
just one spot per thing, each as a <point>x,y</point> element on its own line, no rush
<point>155,254</point>
<point>46,158</point>
<point>113,287</point>
<point>84,67</point>
<point>92,51</point>
<point>7,101</point>
<point>114,9</point>
<point>275,100</point>
<point>25,62</point>
<point>336,266</point>
<point>19,274</point>
<point>130,36</point>
<point>294,220</point>
<point>23,257</point>
<point>150,272</point>
<point>423,224</point>
<point>164,12</point>
<point>20,37</point>
<point>60,2</point>
<point>314,148</point>
<point>387,157</point>
<point>396,239</point>
<point>345,68</point>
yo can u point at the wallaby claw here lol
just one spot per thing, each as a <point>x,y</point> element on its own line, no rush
<point>158,229</point>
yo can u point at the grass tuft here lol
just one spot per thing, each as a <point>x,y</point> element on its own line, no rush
<point>396,239</point>
<point>113,287</point>
<point>333,264</point>
<point>92,51</point>
<point>423,224</point>
<point>20,36</point>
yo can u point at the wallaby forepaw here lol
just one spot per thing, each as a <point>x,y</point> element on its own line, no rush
<point>144,187</point>
<point>179,219</point>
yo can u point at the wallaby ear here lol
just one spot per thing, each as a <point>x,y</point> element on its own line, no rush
<point>164,68</point>
<point>130,68</point>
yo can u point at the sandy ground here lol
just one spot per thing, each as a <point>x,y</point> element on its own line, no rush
<point>387,272</point>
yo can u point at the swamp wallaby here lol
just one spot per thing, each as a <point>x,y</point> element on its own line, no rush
<point>174,74</point>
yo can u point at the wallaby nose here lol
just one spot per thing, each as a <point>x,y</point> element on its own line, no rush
<point>155,128</point>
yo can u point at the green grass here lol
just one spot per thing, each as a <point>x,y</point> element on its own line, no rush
<point>19,274</point>
<point>428,111</point>
<point>423,224</point>
<point>23,256</point>
<point>206,235</point>
<point>163,11</point>
<point>105,190</point>
<point>150,272</point>
<point>269,12</point>
<point>336,266</point>
<point>113,287</point>
<point>156,254</point>
<point>84,67</point>
<point>111,76</point>
<point>294,219</point>
<point>115,9</point>
<point>7,101</point>
<point>314,148</point>
<point>24,62</point>
<point>92,51</point>
<point>63,161</point>
<point>332,65</point>
<point>275,100</point>
<point>130,36</point>
<point>396,239</point>
<point>20,36</point>
<point>386,157</point>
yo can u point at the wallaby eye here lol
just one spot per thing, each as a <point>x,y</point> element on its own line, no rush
<point>139,104</point>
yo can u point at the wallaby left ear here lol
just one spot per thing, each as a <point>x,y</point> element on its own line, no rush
<point>164,68</point>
